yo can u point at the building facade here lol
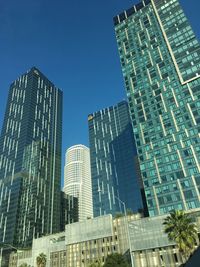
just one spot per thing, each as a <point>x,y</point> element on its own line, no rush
<point>160,59</point>
<point>93,240</point>
<point>47,245</point>
<point>30,160</point>
<point>90,241</point>
<point>81,244</point>
<point>150,245</point>
<point>113,161</point>
<point>68,210</point>
<point>77,179</point>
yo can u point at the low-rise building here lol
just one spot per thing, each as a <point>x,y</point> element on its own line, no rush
<point>94,239</point>
<point>150,245</point>
<point>47,245</point>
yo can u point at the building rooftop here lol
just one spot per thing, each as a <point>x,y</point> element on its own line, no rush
<point>127,13</point>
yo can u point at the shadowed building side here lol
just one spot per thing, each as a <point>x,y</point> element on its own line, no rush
<point>112,152</point>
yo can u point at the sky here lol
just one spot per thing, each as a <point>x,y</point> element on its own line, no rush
<point>73,43</point>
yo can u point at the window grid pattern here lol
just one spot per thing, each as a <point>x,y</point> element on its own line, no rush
<point>30,160</point>
<point>112,151</point>
<point>165,112</point>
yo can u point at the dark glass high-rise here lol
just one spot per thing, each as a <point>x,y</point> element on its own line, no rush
<point>30,160</point>
<point>68,210</point>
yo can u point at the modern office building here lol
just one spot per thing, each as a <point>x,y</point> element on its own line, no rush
<point>81,243</point>
<point>77,179</point>
<point>150,245</point>
<point>68,210</point>
<point>48,245</point>
<point>90,241</point>
<point>115,184</point>
<point>93,240</point>
<point>160,59</point>
<point>30,161</point>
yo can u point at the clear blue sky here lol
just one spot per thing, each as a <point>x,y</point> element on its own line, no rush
<point>73,43</point>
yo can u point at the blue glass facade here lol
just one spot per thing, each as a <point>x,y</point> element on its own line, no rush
<point>113,159</point>
<point>30,160</point>
<point>160,58</point>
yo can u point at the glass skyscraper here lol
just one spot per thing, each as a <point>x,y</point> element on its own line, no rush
<point>113,161</point>
<point>30,160</point>
<point>160,59</point>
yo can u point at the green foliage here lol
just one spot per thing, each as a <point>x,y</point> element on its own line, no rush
<point>116,260</point>
<point>180,229</point>
<point>24,265</point>
<point>129,212</point>
<point>41,260</point>
<point>96,263</point>
<point>119,215</point>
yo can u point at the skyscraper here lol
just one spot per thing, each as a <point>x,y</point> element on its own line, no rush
<point>160,58</point>
<point>113,158</point>
<point>30,160</point>
<point>77,179</point>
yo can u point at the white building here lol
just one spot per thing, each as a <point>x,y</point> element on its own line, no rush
<point>77,179</point>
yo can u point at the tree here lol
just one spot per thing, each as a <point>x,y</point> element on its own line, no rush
<point>41,260</point>
<point>129,212</point>
<point>24,265</point>
<point>119,215</point>
<point>116,260</point>
<point>180,229</point>
<point>96,263</point>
